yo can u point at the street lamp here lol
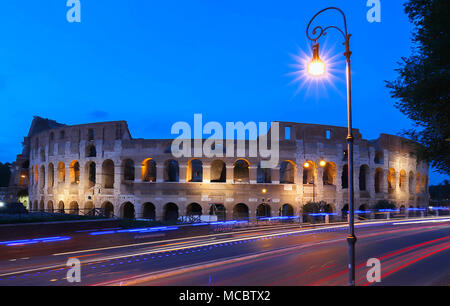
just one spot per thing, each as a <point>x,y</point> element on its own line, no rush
<point>317,68</point>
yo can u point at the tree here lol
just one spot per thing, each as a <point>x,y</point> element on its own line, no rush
<point>422,88</point>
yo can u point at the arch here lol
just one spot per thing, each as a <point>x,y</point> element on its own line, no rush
<point>240,212</point>
<point>194,170</point>
<point>24,179</point>
<point>219,210</point>
<point>344,177</point>
<point>287,210</point>
<point>89,208</point>
<point>74,172</point>
<point>128,169</point>
<point>241,171</point>
<point>378,180</point>
<point>379,157</point>
<point>263,175</point>
<point>402,180</point>
<point>363,177</point>
<point>42,177</point>
<point>61,172</point>
<point>171,212</point>
<point>171,171</point>
<point>127,211</point>
<point>148,211</point>
<point>402,210</point>
<point>91,151</point>
<point>329,174</point>
<point>148,170</point>
<point>108,174</point>
<point>41,205</point>
<point>218,171</point>
<point>423,183</point>
<point>90,174</point>
<point>309,170</point>
<point>391,180</point>
<point>51,175</point>
<point>108,209</point>
<point>194,209</point>
<point>344,212</point>
<point>50,206</point>
<point>73,208</point>
<point>61,209</point>
<point>42,154</point>
<point>287,172</point>
<point>36,174</point>
<point>411,182</point>
<point>263,210</point>
<point>418,182</point>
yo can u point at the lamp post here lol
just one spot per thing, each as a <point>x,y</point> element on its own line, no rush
<point>317,68</point>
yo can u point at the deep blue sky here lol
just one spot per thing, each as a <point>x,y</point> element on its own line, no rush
<point>153,63</point>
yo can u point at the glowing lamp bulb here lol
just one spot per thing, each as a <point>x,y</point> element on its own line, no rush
<point>316,67</point>
<point>264,190</point>
<point>306,165</point>
<point>322,163</point>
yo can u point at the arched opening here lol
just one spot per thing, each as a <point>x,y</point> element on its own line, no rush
<point>423,182</point>
<point>91,174</point>
<point>50,207</point>
<point>418,182</point>
<point>218,210</point>
<point>344,177</point>
<point>364,214</point>
<point>402,180</point>
<point>42,177</point>
<point>74,172</point>
<point>108,173</point>
<point>36,174</point>
<point>263,175</point>
<point>194,209</point>
<point>411,182</point>
<point>51,175</point>
<point>309,172</point>
<point>128,170</point>
<point>329,174</point>
<point>195,170</point>
<point>148,211</point>
<point>61,209</point>
<point>287,210</point>
<point>263,210</point>
<point>61,172</point>
<point>91,151</point>
<point>241,172</point>
<point>171,212</point>
<point>148,170</point>
<point>363,177</point>
<point>379,157</point>
<point>391,180</point>
<point>240,212</point>
<point>42,154</point>
<point>402,210</point>
<point>378,180</point>
<point>218,172</point>
<point>73,208</point>
<point>41,205</point>
<point>171,171</point>
<point>89,208</point>
<point>127,211</point>
<point>108,209</point>
<point>23,180</point>
<point>287,172</point>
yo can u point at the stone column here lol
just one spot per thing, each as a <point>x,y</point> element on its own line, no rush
<point>206,173</point>
<point>159,173</point>
<point>137,172</point>
<point>230,174</point>
<point>253,171</point>
<point>275,175</point>
<point>117,176</point>
<point>182,173</point>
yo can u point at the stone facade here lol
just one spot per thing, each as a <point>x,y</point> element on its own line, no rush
<point>99,165</point>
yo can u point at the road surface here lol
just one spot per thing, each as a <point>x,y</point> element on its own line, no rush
<point>411,252</point>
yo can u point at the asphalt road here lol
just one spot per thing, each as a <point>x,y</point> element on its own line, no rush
<point>411,252</point>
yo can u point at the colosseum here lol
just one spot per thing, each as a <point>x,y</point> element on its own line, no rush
<point>92,167</point>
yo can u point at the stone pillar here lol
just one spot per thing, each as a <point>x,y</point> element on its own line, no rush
<point>182,173</point>
<point>159,173</point>
<point>275,175</point>
<point>137,172</point>
<point>230,174</point>
<point>206,173</point>
<point>117,176</point>
<point>253,172</point>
